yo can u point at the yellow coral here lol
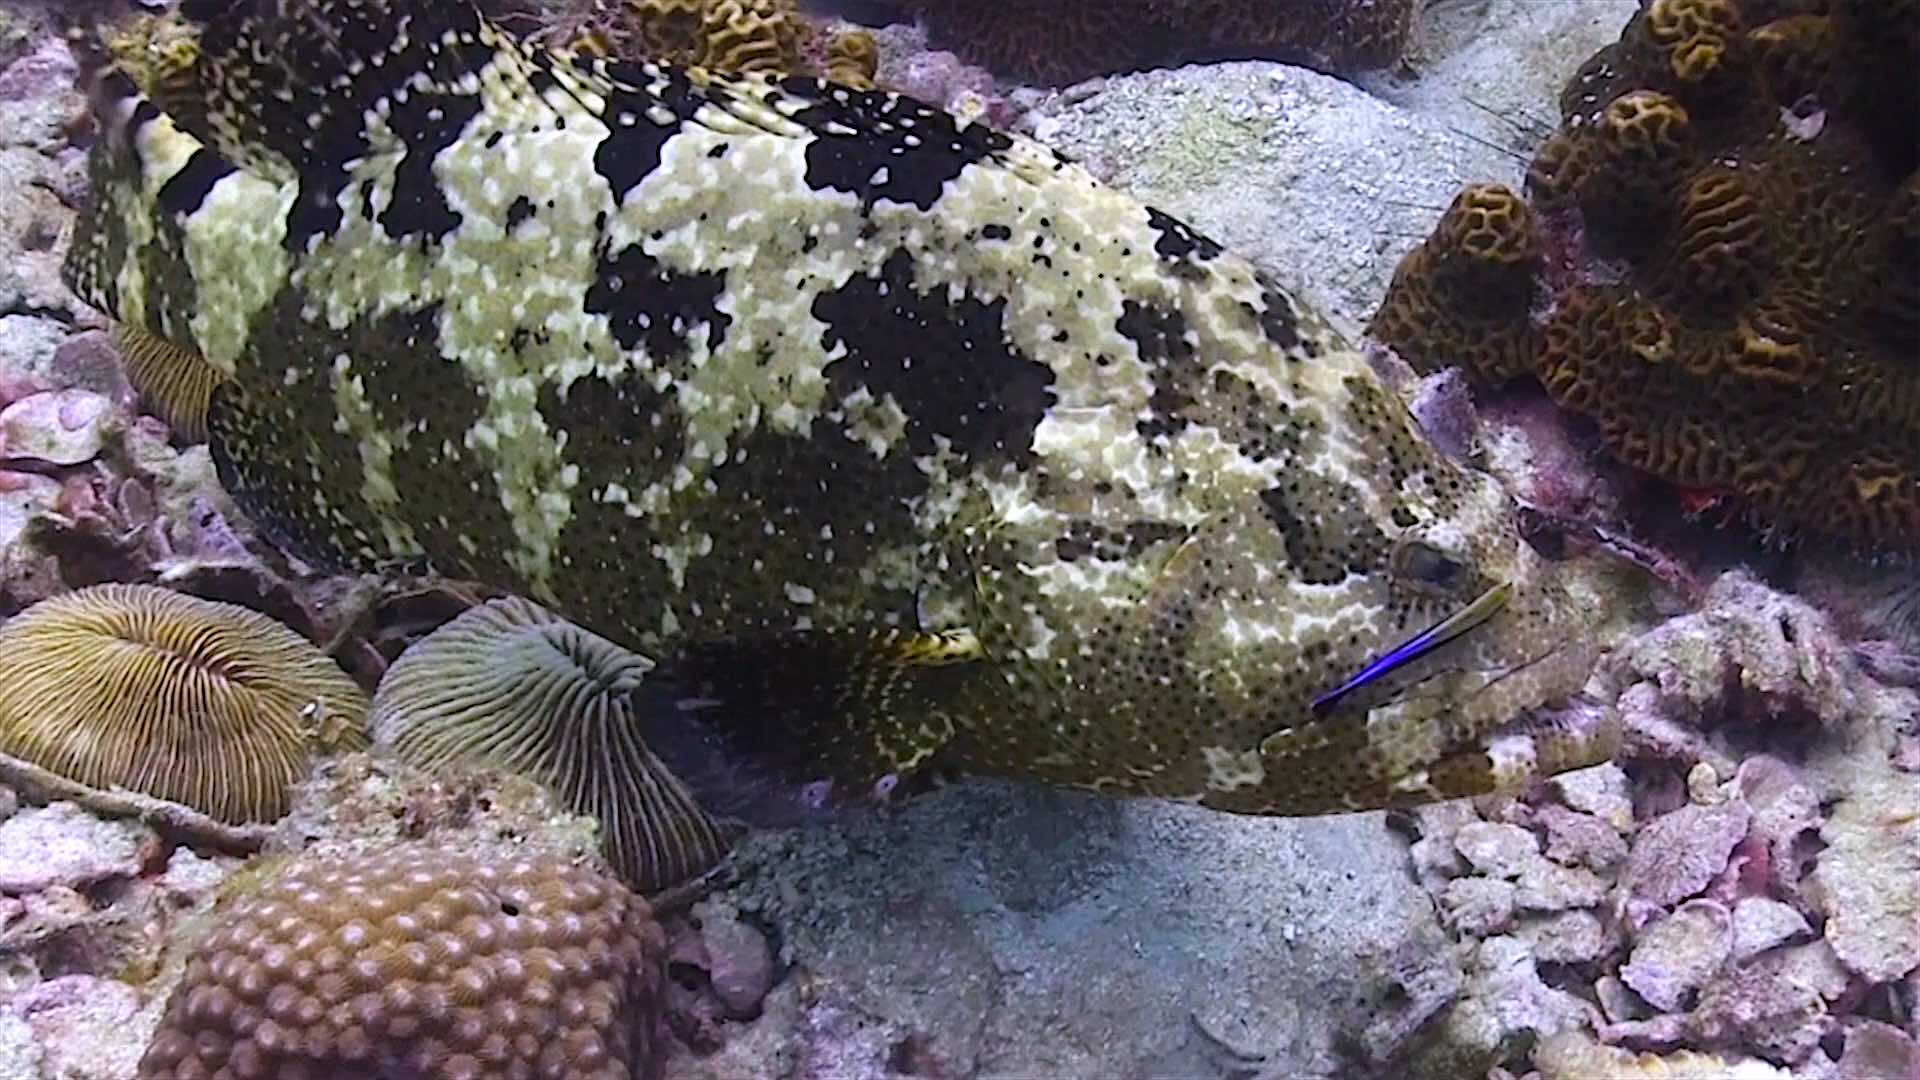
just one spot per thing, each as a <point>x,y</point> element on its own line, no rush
<point>1576,1056</point>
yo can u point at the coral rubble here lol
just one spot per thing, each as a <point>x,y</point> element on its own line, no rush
<point>422,962</point>
<point>1064,41</point>
<point>1717,263</point>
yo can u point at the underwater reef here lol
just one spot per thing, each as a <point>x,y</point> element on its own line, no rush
<point>1729,897</point>
<point>1716,262</point>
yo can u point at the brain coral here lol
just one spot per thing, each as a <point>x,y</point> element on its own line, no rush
<point>425,964</point>
<point>1064,41</point>
<point>202,703</point>
<point>1719,262</point>
<point>734,36</point>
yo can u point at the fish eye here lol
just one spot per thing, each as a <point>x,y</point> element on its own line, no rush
<point>1422,563</point>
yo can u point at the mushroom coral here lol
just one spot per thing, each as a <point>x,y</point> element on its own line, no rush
<point>201,703</point>
<point>1718,261</point>
<point>423,963</point>
<point>510,685</point>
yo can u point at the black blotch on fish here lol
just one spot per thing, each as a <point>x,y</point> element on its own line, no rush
<point>648,305</point>
<point>427,124</point>
<point>880,146</point>
<point>187,189</point>
<point>631,151</point>
<point>947,363</point>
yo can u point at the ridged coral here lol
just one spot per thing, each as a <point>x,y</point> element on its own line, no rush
<point>1066,40</point>
<point>175,382</point>
<point>206,704</point>
<point>1734,190</point>
<point>733,36</point>
<point>511,685</point>
<point>421,963</point>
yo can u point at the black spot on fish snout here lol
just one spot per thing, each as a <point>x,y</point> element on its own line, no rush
<point>1160,336</point>
<point>945,362</point>
<point>1327,533</point>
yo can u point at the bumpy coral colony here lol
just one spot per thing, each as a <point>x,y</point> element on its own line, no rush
<point>1721,260</point>
<point>903,440</point>
<point>421,963</point>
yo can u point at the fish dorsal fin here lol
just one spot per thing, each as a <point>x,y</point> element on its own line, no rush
<point>285,85</point>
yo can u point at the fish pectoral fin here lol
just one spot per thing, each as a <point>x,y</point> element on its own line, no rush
<point>175,381</point>
<point>1346,763</point>
<point>771,728</point>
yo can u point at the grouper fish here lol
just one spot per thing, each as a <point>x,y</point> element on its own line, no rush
<point>898,441</point>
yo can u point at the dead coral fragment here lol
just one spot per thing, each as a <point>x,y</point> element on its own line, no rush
<point>422,963</point>
<point>511,685</point>
<point>1573,1055</point>
<point>1067,40</point>
<point>201,703</point>
<point>1754,178</point>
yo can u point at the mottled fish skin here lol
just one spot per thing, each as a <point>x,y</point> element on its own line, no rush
<point>694,359</point>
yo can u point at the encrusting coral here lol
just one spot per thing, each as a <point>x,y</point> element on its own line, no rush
<point>509,684</point>
<point>1067,40</point>
<point>423,963</point>
<point>206,704</point>
<point>733,36</point>
<point>1719,265</point>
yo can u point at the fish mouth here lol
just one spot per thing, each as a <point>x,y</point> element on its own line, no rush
<point>1483,607</point>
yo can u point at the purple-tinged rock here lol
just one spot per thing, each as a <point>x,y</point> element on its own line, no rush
<point>1477,906</point>
<point>62,844</point>
<point>1602,791</point>
<point>1677,955</point>
<point>88,1027</point>
<point>1579,839</point>
<point>739,961</point>
<point>1764,1007</point>
<point>58,427</point>
<point>1864,882</point>
<point>1497,849</point>
<point>1565,937</point>
<point>1877,1049</point>
<point>1761,922</point>
<point>1677,854</point>
<point>1549,886</point>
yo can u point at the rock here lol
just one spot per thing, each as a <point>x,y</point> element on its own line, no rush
<point>1498,849</point>
<point>1548,886</point>
<point>62,844</point>
<point>82,1022</point>
<point>1565,937</point>
<point>1761,922</point>
<point>1276,163</point>
<point>1477,905</point>
<point>1877,1049</point>
<point>739,963</point>
<point>89,361</point>
<point>1602,791</point>
<point>1864,880</point>
<point>1505,999</point>
<point>1007,929</point>
<point>58,427</point>
<point>1578,839</point>
<point>28,346</point>
<point>1679,954</point>
<point>1576,1056</point>
<point>191,879</point>
<point>1677,854</point>
<point>1763,1006</point>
